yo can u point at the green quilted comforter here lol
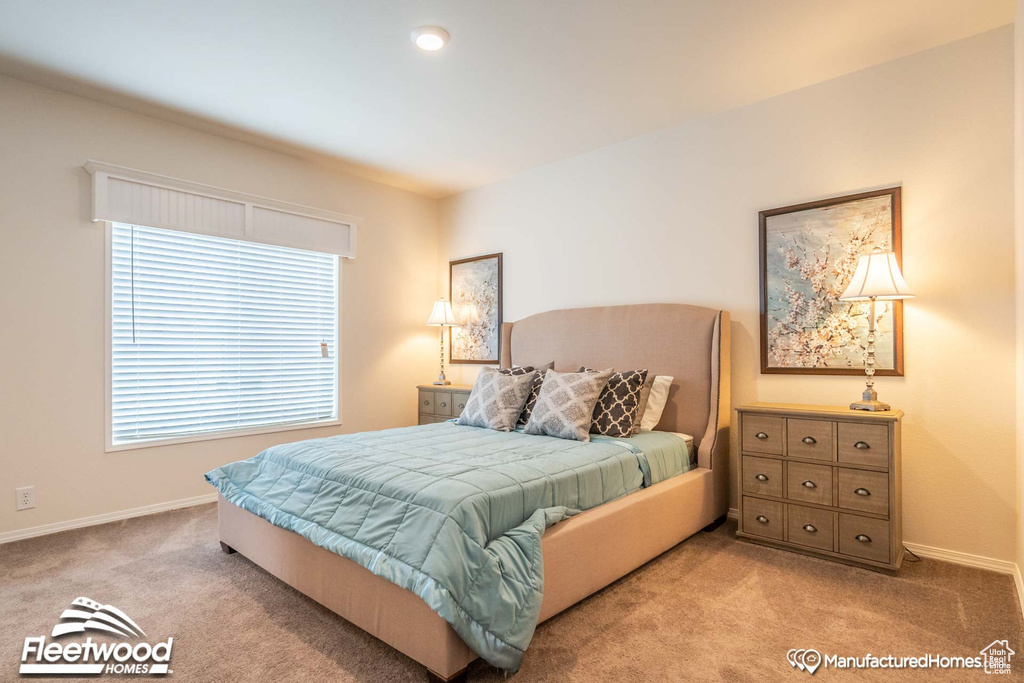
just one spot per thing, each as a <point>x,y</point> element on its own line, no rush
<point>454,514</point>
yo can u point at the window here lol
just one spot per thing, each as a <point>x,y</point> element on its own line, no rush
<point>211,336</point>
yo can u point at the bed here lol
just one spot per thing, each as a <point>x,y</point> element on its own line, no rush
<point>270,523</point>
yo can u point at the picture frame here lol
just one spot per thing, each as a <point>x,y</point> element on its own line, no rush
<point>808,252</point>
<point>475,292</point>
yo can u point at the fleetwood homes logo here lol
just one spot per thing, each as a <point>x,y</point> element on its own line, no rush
<point>91,658</point>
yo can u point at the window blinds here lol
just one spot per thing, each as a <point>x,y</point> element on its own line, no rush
<point>212,334</point>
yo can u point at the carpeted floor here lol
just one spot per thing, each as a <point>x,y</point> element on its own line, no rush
<point>711,609</point>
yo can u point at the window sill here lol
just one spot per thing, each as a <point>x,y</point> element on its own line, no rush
<point>210,436</point>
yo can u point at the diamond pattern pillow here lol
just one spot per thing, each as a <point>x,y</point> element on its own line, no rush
<point>619,404</point>
<point>496,400</point>
<point>565,406</point>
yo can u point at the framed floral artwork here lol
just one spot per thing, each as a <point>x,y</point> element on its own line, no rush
<point>475,292</point>
<point>809,253</point>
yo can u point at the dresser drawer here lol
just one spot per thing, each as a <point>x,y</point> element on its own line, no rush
<point>459,400</point>
<point>763,518</point>
<point>863,444</point>
<point>762,476</point>
<point>864,537</point>
<point>762,434</point>
<point>811,527</point>
<point>809,439</point>
<point>426,402</point>
<point>864,491</point>
<point>809,483</point>
<point>443,403</point>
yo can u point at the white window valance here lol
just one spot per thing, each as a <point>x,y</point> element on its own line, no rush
<point>125,195</point>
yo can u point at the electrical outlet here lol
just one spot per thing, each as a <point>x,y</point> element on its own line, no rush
<point>26,498</point>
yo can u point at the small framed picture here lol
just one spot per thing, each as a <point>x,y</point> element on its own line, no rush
<point>809,253</point>
<point>475,292</point>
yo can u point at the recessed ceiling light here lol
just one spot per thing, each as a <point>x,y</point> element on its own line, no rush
<point>430,37</point>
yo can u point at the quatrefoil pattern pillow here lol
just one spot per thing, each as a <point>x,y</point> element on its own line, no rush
<point>616,411</point>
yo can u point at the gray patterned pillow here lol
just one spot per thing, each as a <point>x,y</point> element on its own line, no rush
<point>565,406</point>
<point>616,411</point>
<point>496,400</point>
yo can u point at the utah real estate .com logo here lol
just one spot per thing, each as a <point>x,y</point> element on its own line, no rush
<point>91,658</point>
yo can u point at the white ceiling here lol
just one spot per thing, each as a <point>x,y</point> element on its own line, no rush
<point>523,82</point>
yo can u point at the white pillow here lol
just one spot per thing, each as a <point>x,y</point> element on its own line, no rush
<point>656,402</point>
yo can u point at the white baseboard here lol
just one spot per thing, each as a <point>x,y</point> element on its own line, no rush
<point>57,527</point>
<point>1019,580</point>
<point>966,559</point>
<point>734,513</point>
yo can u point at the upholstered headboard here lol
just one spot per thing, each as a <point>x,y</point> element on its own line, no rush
<point>690,343</point>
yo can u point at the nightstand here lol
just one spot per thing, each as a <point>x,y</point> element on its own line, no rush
<point>823,481</point>
<point>439,403</point>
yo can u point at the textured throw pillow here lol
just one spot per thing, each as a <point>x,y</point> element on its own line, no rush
<point>565,406</point>
<point>531,400</point>
<point>616,409</point>
<point>656,402</point>
<point>496,400</point>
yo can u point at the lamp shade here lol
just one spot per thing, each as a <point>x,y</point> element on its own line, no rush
<point>442,315</point>
<point>877,276</point>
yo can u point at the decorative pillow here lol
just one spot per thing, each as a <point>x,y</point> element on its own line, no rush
<point>565,406</point>
<point>496,400</point>
<point>656,402</point>
<point>531,400</point>
<point>616,409</point>
<point>645,394</point>
<point>517,370</point>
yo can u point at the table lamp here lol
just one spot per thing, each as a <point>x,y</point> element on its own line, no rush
<point>877,277</point>
<point>442,317</point>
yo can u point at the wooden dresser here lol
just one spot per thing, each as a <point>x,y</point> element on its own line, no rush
<point>439,403</point>
<point>823,481</point>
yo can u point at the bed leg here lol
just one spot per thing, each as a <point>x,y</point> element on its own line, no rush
<point>715,524</point>
<point>226,548</point>
<point>458,677</point>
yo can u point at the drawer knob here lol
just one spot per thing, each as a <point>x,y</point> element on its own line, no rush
<point>862,538</point>
<point>810,484</point>
<point>426,403</point>
<point>862,492</point>
<point>443,404</point>
<point>762,519</point>
<point>862,445</point>
<point>462,405</point>
<point>810,528</point>
<point>809,440</point>
<point>762,477</point>
<point>761,435</point>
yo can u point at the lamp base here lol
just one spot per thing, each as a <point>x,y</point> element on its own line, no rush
<point>441,383</point>
<point>869,405</point>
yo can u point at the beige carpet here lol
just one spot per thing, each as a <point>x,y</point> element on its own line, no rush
<point>712,609</point>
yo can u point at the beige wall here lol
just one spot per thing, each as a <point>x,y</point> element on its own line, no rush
<point>672,216</point>
<point>52,301</point>
<point>1018,126</point>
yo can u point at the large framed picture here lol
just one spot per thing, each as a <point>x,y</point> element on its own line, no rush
<point>809,253</point>
<point>475,292</point>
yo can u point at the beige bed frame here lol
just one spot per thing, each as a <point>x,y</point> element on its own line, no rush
<point>691,343</point>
